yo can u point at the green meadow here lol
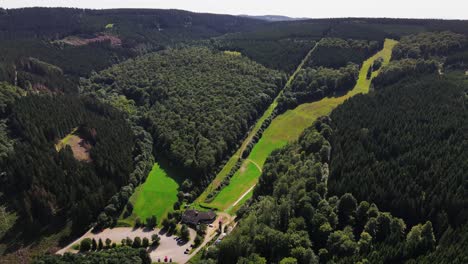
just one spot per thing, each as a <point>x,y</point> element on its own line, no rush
<point>288,127</point>
<point>156,196</point>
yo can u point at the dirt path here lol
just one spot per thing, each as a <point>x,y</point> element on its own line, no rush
<point>242,196</point>
<point>256,165</point>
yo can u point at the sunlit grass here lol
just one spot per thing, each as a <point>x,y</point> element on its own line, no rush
<point>288,127</point>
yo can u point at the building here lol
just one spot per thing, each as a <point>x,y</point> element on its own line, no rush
<point>194,217</point>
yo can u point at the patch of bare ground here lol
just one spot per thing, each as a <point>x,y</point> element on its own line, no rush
<point>80,148</point>
<point>78,41</point>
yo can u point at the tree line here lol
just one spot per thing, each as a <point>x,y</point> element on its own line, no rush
<point>124,255</point>
<point>426,45</point>
<point>337,53</point>
<point>312,84</point>
<point>292,217</point>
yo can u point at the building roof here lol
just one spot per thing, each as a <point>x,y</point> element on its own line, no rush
<point>194,217</point>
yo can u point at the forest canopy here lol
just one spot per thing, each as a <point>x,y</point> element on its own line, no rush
<point>428,44</point>
<point>197,103</point>
<point>45,185</point>
<point>293,219</point>
<point>404,148</point>
<point>336,52</point>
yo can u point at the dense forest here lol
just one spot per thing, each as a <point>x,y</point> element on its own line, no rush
<point>88,98</point>
<point>50,35</point>
<point>312,84</point>
<point>302,210</point>
<point>397,70</point>
<point>425,45</point>
<point>424,53</point>
<point>278,54</point>
<point>401,148</point>
<point>44,184</point>
<point>336,53</point>
<point>405,152</point>
<point>293,218</point>
<point>196,103</point>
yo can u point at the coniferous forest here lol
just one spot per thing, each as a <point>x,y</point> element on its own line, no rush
<point>197,103</point>
<point>92,100</point>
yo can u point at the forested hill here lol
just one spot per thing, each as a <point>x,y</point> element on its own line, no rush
<point>166,25</point>
<point>282,45</point>
<point>80,41</point>
<point>47,185</point>
<point>294,219</point>
<point>196,102</point>
<point>409,142</point>
<point>401,149</point>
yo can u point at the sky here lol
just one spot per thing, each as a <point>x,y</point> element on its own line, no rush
<point>446,9</point>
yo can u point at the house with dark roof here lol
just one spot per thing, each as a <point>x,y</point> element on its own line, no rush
<point>194,217</point>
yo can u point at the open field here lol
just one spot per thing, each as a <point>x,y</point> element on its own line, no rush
<point>288,127</point>
<point>156,196</point>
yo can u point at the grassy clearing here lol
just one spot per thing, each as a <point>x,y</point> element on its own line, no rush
<point>232,161</point>
<point>288,127</point>
<point>64,141</point>
<point>156,196</point>
<point>233,209</point>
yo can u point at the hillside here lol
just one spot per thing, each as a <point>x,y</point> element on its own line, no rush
<point>400,149</point>
<point>197,103</point>
<point>80,41</point>
<point>338,140</point>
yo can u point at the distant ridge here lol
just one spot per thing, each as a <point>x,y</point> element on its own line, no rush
<point>275,18</point>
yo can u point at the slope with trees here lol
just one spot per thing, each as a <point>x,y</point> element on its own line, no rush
<point>41,33</point>
<point>404,149</point>
<point>45,186</point>
<point>197,103</point>
<point>336,52</point>
<point>293,219</point>
<point>429,44</point>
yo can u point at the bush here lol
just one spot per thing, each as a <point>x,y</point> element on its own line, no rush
<point>85,244</point>
<point>145,242</point>
<point>136,242</point>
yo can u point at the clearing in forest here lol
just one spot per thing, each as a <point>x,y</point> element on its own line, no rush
<point>288,127</point>
<point>79,146</point>
<point>156,196</point>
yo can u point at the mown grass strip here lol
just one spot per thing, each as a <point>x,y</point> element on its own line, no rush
<point>288,127</point>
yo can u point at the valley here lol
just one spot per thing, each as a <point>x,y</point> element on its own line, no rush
<point>154,136</point>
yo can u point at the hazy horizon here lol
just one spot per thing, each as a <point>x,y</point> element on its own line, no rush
<point>449,9</point>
